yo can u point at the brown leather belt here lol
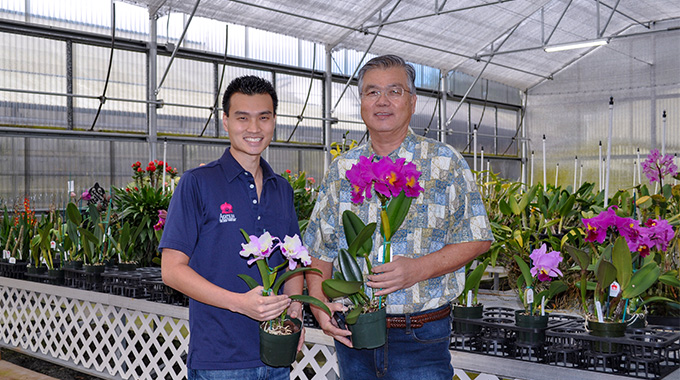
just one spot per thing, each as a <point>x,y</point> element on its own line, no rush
<point>417,321</point>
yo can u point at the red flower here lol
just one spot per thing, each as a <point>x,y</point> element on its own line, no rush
<point>140,170</point>
<point>288,171</point>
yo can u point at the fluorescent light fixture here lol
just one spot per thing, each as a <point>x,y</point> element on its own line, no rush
<point>576,45</point>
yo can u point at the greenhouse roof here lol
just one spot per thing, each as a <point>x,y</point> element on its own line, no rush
<point>503,38</point>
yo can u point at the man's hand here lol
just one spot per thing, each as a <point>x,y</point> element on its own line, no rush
<point>295,311</point>
<point>400,273</point>
<point>328,324</point>
<point>261,308</point>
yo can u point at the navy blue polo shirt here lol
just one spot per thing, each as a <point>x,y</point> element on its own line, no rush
<point>209,206</point>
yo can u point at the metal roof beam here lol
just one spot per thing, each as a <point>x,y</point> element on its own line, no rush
<point>438,13</point>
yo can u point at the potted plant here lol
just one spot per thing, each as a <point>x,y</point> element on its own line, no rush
<point>468,307</point>
<point>536,294</point>
<point>124,246</point>
<point>624,269</point>
<point>396,185</point>
<point>278,337</point>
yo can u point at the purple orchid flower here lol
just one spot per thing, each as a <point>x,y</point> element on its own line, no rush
<point>660,233</point>
<point>361,178</point>
<point>388,176</point>
<point>545,263</point>
<point>596,227</point>
<point>657,167</point>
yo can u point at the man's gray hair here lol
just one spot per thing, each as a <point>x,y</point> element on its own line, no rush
<point>385,62</point>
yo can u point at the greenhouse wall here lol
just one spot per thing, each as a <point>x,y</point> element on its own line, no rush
<point>642,90</point>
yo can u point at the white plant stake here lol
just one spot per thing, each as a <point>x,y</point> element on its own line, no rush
<point>543,306</point>
<point>598,310</point>
<point>469,298</point>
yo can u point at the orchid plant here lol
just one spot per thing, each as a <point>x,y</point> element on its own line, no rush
<point>261,248</point>
<point>396,185</point>
<point>544,269</point>
<point>623,263</point>
<point>657,166</point>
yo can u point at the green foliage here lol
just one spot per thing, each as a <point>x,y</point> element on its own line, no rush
<point>139,207</point>
<point>304,195</point>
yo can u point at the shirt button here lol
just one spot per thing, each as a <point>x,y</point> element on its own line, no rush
<point>251,185</point>
<point>247,173</point>
<point>258,217</point>
<point>254,201</point>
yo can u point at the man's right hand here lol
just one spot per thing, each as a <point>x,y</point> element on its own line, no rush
<point>261,308</point>
<point>330,326</point>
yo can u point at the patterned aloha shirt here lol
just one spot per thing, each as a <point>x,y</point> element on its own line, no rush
<point>449,211</point>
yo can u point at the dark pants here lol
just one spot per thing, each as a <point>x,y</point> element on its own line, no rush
<point>409,354</point>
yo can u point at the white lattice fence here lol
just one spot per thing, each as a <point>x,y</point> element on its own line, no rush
<point>116,337</point>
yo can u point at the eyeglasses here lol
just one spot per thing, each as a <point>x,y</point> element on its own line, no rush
<point>391,93</point>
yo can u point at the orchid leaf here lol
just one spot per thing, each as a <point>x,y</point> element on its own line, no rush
<point>568,206</point>
<point>556,287</point>
<point>606,274</point>
<point>284,277</point>
<point>526,272</point>
<point>514,207</point>
<point>362,244</point>
<point>622,260</point>
<point>504,207</point>
<point>527,198</point>
<point>641,281</point>
<point>252,284</point>
<point>353,315</point>
<point>670,280</point>
<point>579,256</point>
<point>349,267</point>
<point>656,299</point>
<point>473,279</point>
<point>312,301</point>
<point>335,287</point>
<point>397,209</point>
<point>354,227</point>
<point>73,214</point>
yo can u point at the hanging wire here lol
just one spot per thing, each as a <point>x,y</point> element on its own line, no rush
<point>309,91</point>
<point>219,88</point>
<point>102,98</point>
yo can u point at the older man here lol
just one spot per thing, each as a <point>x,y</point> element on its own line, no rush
<point>447,227</point>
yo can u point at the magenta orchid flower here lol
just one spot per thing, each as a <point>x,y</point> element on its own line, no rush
<point>292,249</point>
<point>411,175</point>
<point>361,179</point>
<point>85,196</point>
<point>596,227</point>
<point>660,233</point>
<point>388,177</point>
<point>162,215</point>
<point>259,247</point>
<point>545,263</point>
<point>657,167</point>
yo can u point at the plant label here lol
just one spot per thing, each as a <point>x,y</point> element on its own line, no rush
<point>12,260</point>
<point>529,296</point>
<point>5,254</point>
<point>53,244</point>
<point>70,186</point>
<point>469,298</point>
<point>614,289</point>
<point>381,255</point>
<point>598,310</point>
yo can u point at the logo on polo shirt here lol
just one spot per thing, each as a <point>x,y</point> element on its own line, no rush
<point>227,214</point>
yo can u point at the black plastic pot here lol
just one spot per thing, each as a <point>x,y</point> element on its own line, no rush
<point>127,267</point>
<point>94,268</point>
<point>464,312</point>
<point>370,330</point>
<point>636,321</point>
<point>606,330</point>
<point>279,350</point>
<point>74,265</point>
<point>530,321</point>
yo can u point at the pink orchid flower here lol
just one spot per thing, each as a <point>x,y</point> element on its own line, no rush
<point>545,263</point>
<point>597,226</point>
<point>259,247</point>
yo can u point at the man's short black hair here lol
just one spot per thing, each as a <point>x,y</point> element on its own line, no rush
<point>249,85</point>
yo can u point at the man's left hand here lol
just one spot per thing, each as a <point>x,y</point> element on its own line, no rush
<point>401,273</point>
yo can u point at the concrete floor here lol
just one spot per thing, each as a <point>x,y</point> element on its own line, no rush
<point>10,371</point>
